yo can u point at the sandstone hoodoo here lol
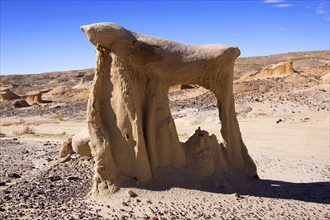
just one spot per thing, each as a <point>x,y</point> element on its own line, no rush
<point>132,132</point>
<point>34,97</point>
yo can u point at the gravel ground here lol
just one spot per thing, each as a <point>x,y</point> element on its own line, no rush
<point>281,97</point>
<point>34,185</point>
<point>74,109</point>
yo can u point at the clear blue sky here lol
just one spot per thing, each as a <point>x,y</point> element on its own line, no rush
<point>43,36</point>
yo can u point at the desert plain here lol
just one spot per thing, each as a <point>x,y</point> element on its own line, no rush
<point>283,107</point>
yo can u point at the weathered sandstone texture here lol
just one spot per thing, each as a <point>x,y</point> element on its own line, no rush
<point>133,135</point>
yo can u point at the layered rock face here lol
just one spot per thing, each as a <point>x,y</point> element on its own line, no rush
<point>133,135</point>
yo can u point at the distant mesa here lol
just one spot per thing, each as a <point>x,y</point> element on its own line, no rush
<point>274,70</point>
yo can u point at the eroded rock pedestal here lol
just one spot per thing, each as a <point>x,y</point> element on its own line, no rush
<point>133,135</point>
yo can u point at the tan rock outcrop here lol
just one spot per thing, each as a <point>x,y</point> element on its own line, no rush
<point>275,70</point>
<point>33,97</point>
<point>132,132</point>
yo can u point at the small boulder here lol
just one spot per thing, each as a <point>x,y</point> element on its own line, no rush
<point>131,194</point>
<point>80,143</point>
<point>66,148</point>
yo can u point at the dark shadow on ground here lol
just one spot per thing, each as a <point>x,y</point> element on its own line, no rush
<point>317,192</point>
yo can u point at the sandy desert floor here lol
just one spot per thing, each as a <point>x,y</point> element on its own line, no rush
<point>286,130</point>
